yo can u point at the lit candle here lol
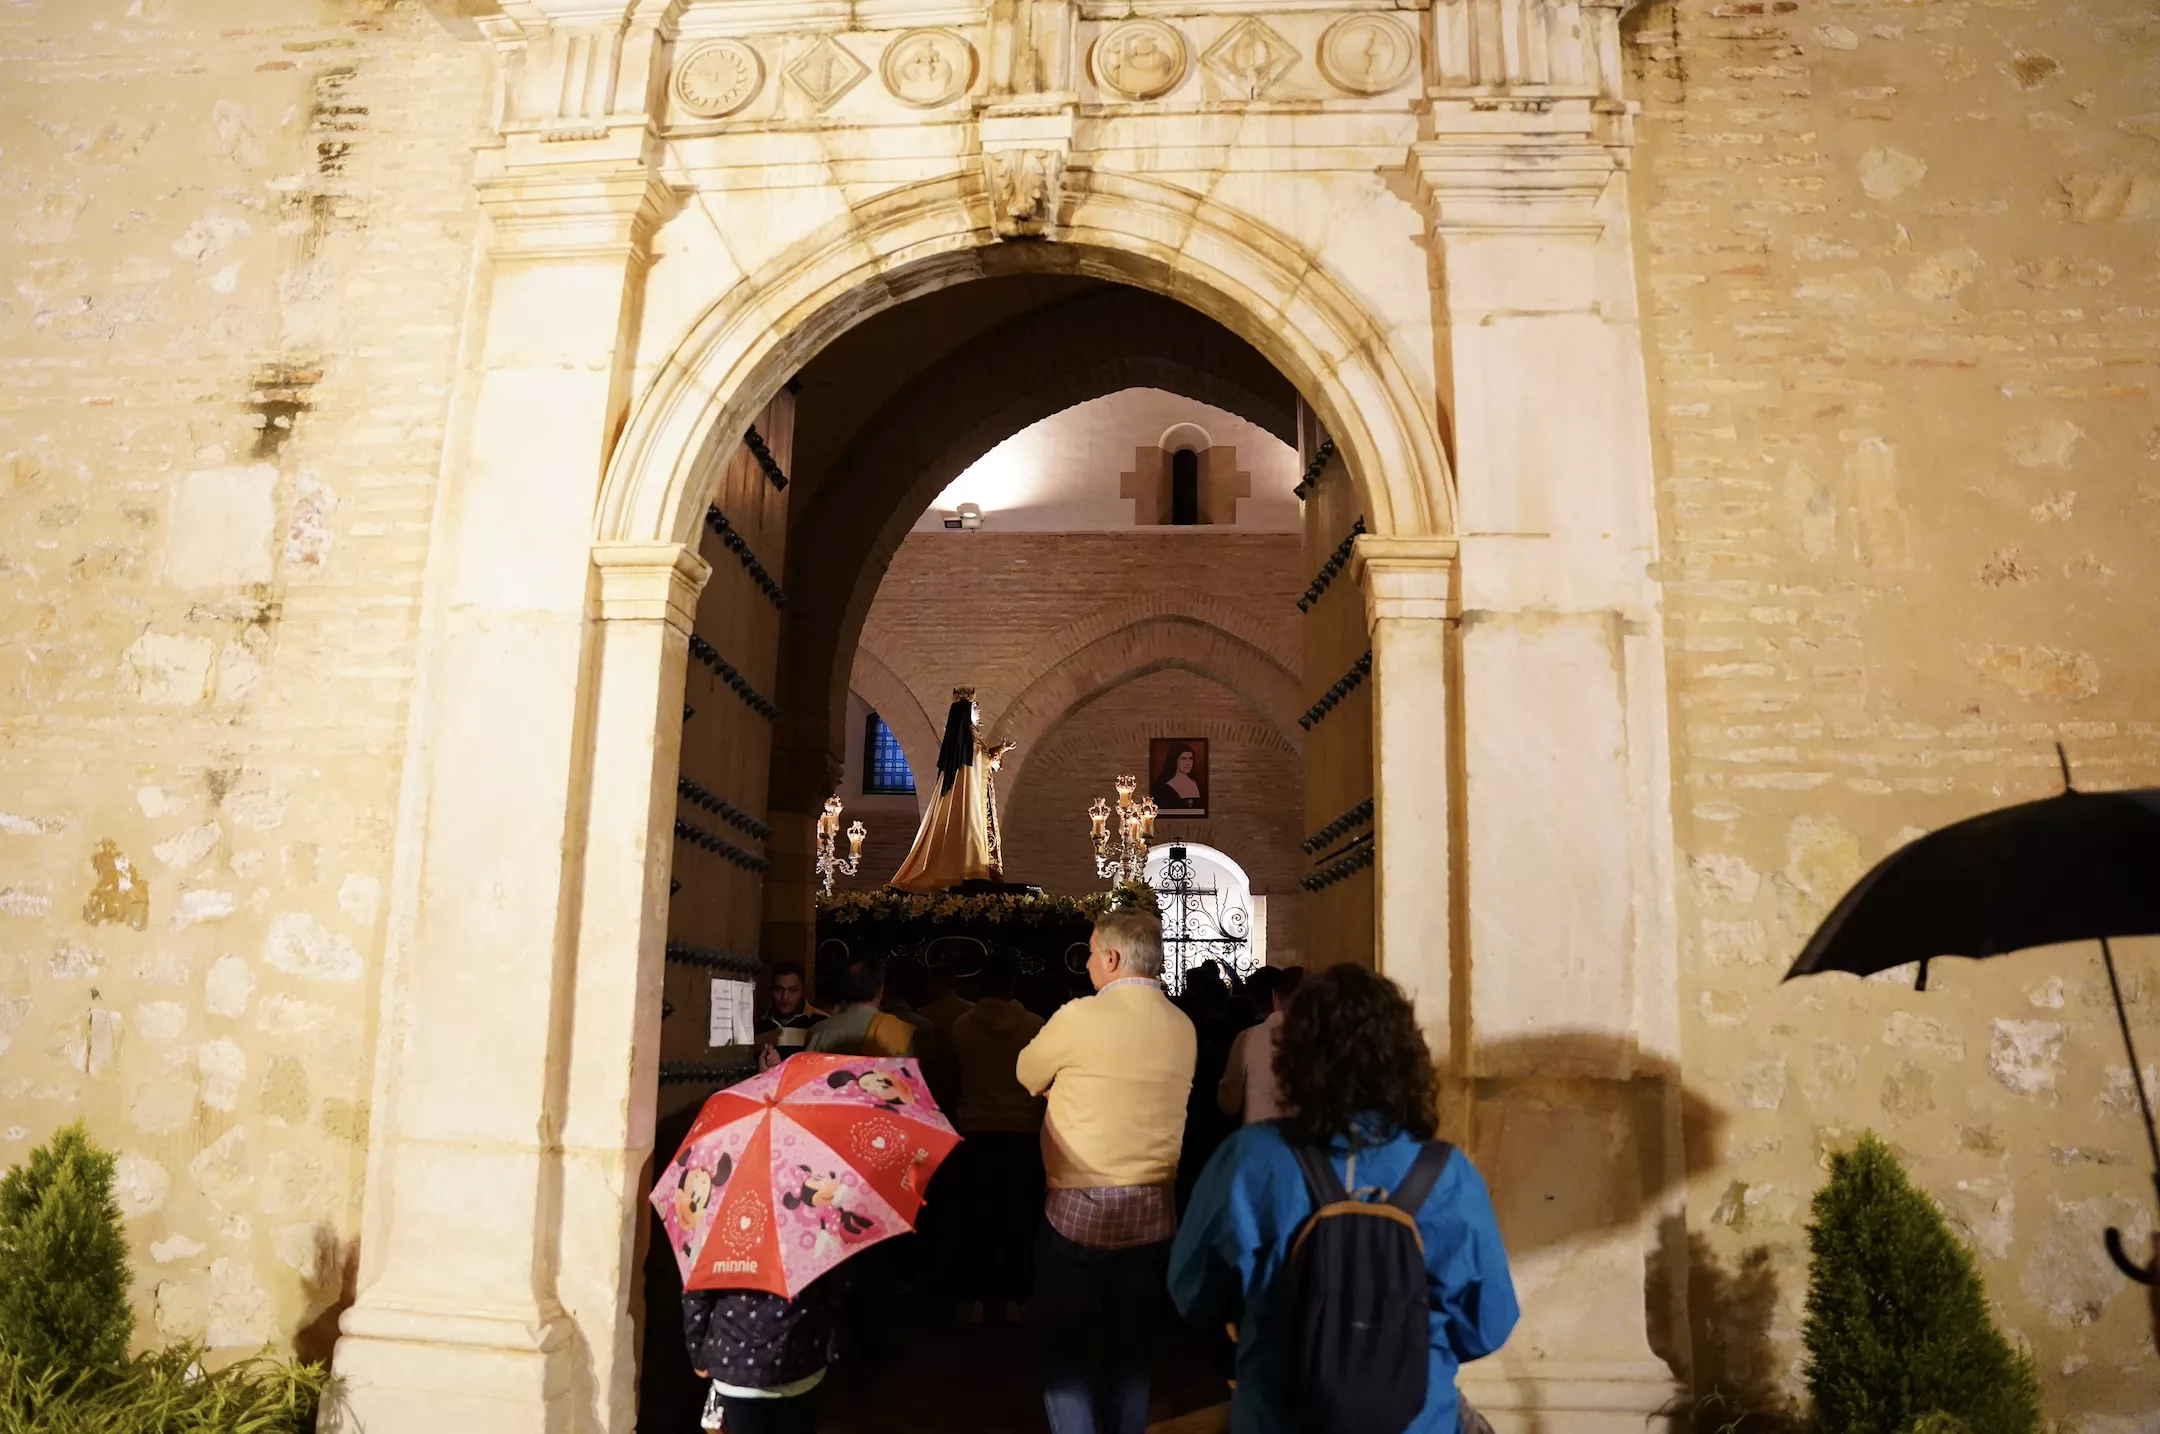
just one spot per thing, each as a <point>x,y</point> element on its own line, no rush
<point>855,834</point>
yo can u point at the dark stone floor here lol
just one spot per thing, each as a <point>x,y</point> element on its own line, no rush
<point>943,1376</point>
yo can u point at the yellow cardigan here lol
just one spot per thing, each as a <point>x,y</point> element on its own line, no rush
<point>1118,1066</point>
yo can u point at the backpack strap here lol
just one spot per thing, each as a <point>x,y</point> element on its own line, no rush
<point>1320,1178</point>
<point>1432,1158</point>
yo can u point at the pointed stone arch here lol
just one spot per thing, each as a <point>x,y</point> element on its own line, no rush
<point>892,699</point>
<point>1094,664</point>
<point>956,410</point>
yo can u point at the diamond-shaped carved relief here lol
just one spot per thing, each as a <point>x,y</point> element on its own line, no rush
<point>825,72</point>
<point>1249,58</point>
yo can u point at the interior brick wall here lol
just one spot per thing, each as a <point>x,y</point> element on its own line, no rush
<point>1161,625</point>
<point>1255,778</point>
<point>1900,281</point>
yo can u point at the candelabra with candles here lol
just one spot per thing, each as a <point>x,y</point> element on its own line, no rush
<point>1121,856</point>
<point>829,861</point>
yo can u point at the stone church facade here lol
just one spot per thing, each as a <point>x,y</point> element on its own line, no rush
<point>1750,411</point>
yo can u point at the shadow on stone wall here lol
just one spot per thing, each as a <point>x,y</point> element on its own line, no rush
<point>1584,1136</point>
<point>1552,1108</point>
<point>1737,1365</point>
<point>317,1340</point>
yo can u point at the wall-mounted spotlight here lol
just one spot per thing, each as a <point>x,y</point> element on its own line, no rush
<point>967,517</point>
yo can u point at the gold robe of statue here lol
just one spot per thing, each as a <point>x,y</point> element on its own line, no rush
<point>958,838</point>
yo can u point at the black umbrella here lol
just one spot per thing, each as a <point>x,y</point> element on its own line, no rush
<point>2076,867</point>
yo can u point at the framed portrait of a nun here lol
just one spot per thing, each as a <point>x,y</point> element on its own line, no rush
<point>1178,776</point>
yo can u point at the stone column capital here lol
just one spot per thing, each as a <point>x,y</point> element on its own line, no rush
<point>1411,578</point>
<point>574,212</point>
<point>1500,179</point>
<point>649,582</point>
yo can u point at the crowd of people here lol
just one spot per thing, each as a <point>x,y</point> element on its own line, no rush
<point>1131,1155</point>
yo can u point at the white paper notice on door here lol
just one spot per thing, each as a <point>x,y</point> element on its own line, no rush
<point>733,1005</point>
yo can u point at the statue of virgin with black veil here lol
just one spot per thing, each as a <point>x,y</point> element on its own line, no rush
<point>958,839</point>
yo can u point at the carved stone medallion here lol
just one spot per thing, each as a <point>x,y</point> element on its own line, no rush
<point>718,79</point>
<point>825,72</point>
<point>1248,58</point>
<point>1140,59</point>
<point>1367,54</point>
<point>928,68</point>
<point>1023,185</point>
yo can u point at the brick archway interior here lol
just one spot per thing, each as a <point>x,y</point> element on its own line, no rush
<point>861,488</point>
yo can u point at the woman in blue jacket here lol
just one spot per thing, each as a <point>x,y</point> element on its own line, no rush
<point>1358,1081</point>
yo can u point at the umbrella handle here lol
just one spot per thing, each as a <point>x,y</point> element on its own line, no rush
<point>2122,1261</point>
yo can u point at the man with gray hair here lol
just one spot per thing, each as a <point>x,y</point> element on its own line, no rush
<point>1118,1068</point>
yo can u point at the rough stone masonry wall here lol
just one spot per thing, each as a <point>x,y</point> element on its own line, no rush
<point>236,237</point>
<point>1904,316</point>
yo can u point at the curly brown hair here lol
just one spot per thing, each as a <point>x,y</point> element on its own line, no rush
<point>1352,1052</point>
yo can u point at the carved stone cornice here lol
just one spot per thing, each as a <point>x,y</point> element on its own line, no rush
<point>648,582</point>
<point>577,73</point>
<point>573,211</point>
<point>465,18</point>
<point>1501,183</point>
<point>1551,48</point>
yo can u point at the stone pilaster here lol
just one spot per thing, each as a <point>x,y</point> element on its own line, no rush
<point>1410,616</point>
<point>491,1155</point>
<point>1568,998</point>
<point>645,602</point>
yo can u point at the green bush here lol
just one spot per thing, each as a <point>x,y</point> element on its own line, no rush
<point>1897,1333</point>
<point>63,1260</point>
<point>164,1393</point>
<point>65,1323</point>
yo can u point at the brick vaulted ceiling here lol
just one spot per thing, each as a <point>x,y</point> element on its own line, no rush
<point>895,409</point>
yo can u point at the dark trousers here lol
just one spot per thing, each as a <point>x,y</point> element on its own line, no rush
<point>1002,1192</point>
<point>1087,1299</point>
<point>771,1416</point>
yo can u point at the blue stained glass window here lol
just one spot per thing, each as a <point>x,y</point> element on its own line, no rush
<point>885,768</point>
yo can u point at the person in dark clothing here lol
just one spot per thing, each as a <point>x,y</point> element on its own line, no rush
<point>668,1392</point>
<point>788,1014</point>
<point>1207,1002</point>
<point>765,1355</point>
<point>1000,1161</point>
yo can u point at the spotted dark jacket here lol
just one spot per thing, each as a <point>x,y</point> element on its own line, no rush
<point>755,1340</point>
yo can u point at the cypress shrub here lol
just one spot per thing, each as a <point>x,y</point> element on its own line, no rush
<point>65,1323</point>
<point>63,1259</point>
<point>1897,1333</point>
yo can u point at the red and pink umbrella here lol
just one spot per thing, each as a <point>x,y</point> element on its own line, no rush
<point>790,1172</point>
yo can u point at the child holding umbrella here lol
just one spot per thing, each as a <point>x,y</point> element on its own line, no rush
<point>764,1354</point>
<point>780,1179</point>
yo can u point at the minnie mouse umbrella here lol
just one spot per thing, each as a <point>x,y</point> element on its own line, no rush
<point>789,1173</point>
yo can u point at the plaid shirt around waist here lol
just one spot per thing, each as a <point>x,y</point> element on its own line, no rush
<point>1113,1217</point>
